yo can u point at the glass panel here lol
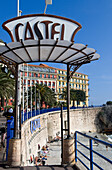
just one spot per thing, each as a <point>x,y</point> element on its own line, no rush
<point>3,48</point>
<point>22,53</point>
<point>44,52</point>
<point>30,42</point>
<point>77,56</point>
<point>47,41</point>
<point>89,50</point>
<point>96,56</point>
<point>64,43</point>
<point>33,52</point>
<point>78,46</point>
<point>14,44</point>
<point>12,56</point>
<point>67,54</point>
<point>56,52</point>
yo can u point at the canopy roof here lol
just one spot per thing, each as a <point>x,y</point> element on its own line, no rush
<point>47,50</point>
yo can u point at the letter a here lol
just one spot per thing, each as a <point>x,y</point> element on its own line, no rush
<point>28,29</point>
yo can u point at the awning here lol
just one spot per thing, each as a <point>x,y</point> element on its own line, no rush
<point>47,50</point>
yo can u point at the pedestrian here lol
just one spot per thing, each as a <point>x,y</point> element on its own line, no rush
<point>10,110</point>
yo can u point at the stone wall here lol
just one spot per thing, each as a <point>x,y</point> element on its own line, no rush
<point>50,125</point>
<point>30,141</point>
<point>84,119</point>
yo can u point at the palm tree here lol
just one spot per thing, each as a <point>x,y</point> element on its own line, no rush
<point>80,96</point>
<point>6,86</point>
<point>75,95</point>
<point>44,95</point>
<point>64,94</point>
<point>50,99</point>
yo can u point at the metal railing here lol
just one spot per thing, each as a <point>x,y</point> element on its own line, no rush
<point>91,151</point>
<point>25,115</point>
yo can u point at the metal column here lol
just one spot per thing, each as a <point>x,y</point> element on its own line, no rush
<point>61,134</point>
<point>16,103</point>
<point>17,110</point>
<point>68,100</point>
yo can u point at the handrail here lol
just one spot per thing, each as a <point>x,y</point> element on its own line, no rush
<point>90,148</point>
<point>98,140</point>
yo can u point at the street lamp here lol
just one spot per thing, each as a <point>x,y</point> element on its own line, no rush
<point>35,100</point>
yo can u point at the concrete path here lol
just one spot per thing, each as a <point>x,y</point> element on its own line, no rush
<point>53,161</point>
<point>54,155</point>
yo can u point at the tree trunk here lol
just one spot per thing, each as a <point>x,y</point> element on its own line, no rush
<point>73,103</point>
<point>41,104</point>
<point>77,103</point>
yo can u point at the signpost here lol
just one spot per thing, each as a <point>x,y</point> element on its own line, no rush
<point>40,26</point>
<point>18,8</point>
<point>45,38</point>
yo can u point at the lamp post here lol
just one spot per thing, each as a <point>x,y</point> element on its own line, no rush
<point>31,95</point>
<point>35,100</point>
<point>68,100</point>
<point>27,91</point>
<point>18,8</point>
<point>39,100</point>
<point>23,92</point>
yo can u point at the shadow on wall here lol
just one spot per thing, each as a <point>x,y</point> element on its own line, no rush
<point>103,120</point>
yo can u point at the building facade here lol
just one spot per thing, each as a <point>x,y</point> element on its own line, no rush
<point>54,78</point>
<point>78,81</point>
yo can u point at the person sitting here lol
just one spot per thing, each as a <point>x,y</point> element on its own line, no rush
<point>43,160</point>
<point>43,148</point>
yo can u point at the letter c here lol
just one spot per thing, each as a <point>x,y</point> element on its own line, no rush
<point>17,32</point>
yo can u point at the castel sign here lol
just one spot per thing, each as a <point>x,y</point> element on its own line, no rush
<point>41,26</point>
<point>34,125</point>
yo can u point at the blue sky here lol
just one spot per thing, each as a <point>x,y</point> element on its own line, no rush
<point>95,16</point>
